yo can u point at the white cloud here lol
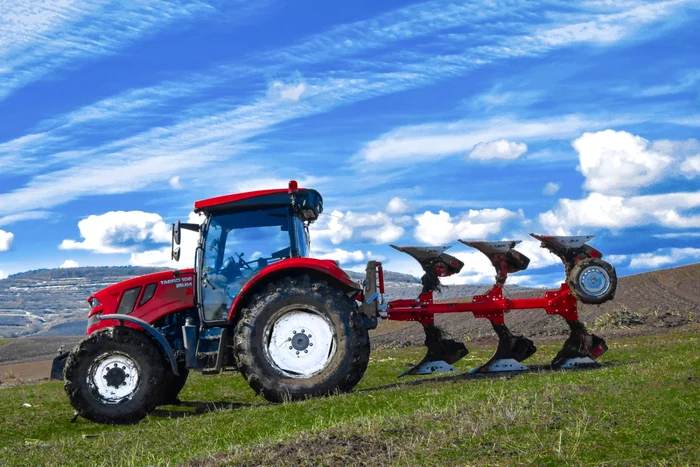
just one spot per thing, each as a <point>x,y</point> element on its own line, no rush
<point>6,239</point>
<point>69,263</point>
<point>161,257</point>
<point>344,256</point>
<point>40,37</point>
<point>435,141</point>
<point>3,275</point>
<point>499,149</point>
<point>119,232</point>
<point>396,206</point>
<point>550,188</point>
<point>339,227</point>
<point>175,183</point>
<point>288,91</point>
<point>385,234</point>
<point>613,212</point>
<point>617,162</point>
<point>664,257</point>
<point>24,216</point>
<point>691,166</point>
<point>442,228</point>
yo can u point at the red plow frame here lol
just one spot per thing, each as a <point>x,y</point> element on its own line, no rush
<point>589,279</point>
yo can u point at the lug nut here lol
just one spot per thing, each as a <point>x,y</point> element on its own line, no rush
<point>290,347</point>
<point>311,343</point>
<point>306,351</point>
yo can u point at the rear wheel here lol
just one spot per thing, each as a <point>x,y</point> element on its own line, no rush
<point>301,338</point>
<point>593,281</point>
<point>113,374</point>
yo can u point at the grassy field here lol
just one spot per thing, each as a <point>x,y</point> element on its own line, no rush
<point>641,408</point>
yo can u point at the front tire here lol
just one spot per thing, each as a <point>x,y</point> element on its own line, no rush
<point>301,338</point>
<point>174,384</point>
<point>114,376</point>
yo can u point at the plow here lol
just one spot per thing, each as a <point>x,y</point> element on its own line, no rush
<point>294,326</point>
<point>589,279</point>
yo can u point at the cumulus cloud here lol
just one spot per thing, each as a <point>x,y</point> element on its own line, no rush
<point>500,149</point>
<point>6,239</point>
<point>69,263</point>
<point>161,256</point>
<point>550,188</point>
<point>344,256</point>
<point>617,162</point>
<point>340,227</point>
<point>175,183</point>
<point>599,210</point>
<point>119,232</point>
<point>442,228</point>
<point>397,206</point>
<point>385,234</point>
<point>3,275</point>
<point>664,257</point>
<point>691,166</point>
<point>287,91</point>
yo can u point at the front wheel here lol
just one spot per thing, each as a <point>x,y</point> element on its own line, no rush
<point>301,338</point>
<point>113,375</point>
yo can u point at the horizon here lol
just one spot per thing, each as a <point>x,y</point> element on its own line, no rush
<point>418,122</point>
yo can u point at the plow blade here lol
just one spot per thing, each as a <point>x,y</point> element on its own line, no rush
<point>511,351</point>
<point>442,353</point>
<point>580,349</point>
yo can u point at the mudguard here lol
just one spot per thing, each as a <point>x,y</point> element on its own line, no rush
<point>323,268</point>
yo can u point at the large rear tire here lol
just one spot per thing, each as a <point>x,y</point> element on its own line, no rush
<point>301,338</point>
<point>114,376</point>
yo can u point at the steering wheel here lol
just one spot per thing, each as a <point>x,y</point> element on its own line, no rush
<point>242,262</point>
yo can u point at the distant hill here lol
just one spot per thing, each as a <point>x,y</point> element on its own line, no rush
<point>52,302</point>
<point>33,301</point>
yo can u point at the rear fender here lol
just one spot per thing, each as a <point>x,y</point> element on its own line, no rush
<point>321,269</point>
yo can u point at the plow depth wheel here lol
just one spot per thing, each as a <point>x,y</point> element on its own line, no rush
<point>301,338</point>
<point>593,281</point>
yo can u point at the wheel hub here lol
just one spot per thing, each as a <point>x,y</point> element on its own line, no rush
<point>301,343</point>
<point>113,378</point>
<point>595,281</point>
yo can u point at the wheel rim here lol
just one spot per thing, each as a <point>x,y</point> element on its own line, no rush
<point>300,343</point>
<point>113,378</point>
<point>595,281</point>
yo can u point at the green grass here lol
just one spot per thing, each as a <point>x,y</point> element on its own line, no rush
<point>642,408</point>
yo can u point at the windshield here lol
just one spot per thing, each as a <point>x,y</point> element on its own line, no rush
<point>237,246</point>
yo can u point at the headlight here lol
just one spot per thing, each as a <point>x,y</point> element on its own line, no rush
<point>94,303</point>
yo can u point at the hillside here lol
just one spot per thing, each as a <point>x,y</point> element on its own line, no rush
<point>33,301</point>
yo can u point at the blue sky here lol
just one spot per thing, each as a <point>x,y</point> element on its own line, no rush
<point>419,122</point>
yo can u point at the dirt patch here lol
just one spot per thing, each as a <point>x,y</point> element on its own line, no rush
<point>19,373</point>
<point>34,349</point>
<point>332,448</point>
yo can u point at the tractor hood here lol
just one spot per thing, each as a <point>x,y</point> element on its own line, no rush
<point>147,297</point>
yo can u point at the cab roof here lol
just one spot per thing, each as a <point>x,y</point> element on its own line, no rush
<point>304,199</point>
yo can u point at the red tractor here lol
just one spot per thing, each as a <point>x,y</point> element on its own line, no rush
<point>293,326</point>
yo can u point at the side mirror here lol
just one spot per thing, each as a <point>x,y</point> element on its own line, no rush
<point>176,253</point>
<point>176,233</point>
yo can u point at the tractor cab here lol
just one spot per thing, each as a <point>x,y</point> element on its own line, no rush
<point>242,235</point>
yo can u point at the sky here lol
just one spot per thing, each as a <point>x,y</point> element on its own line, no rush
<point>420,123</point>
